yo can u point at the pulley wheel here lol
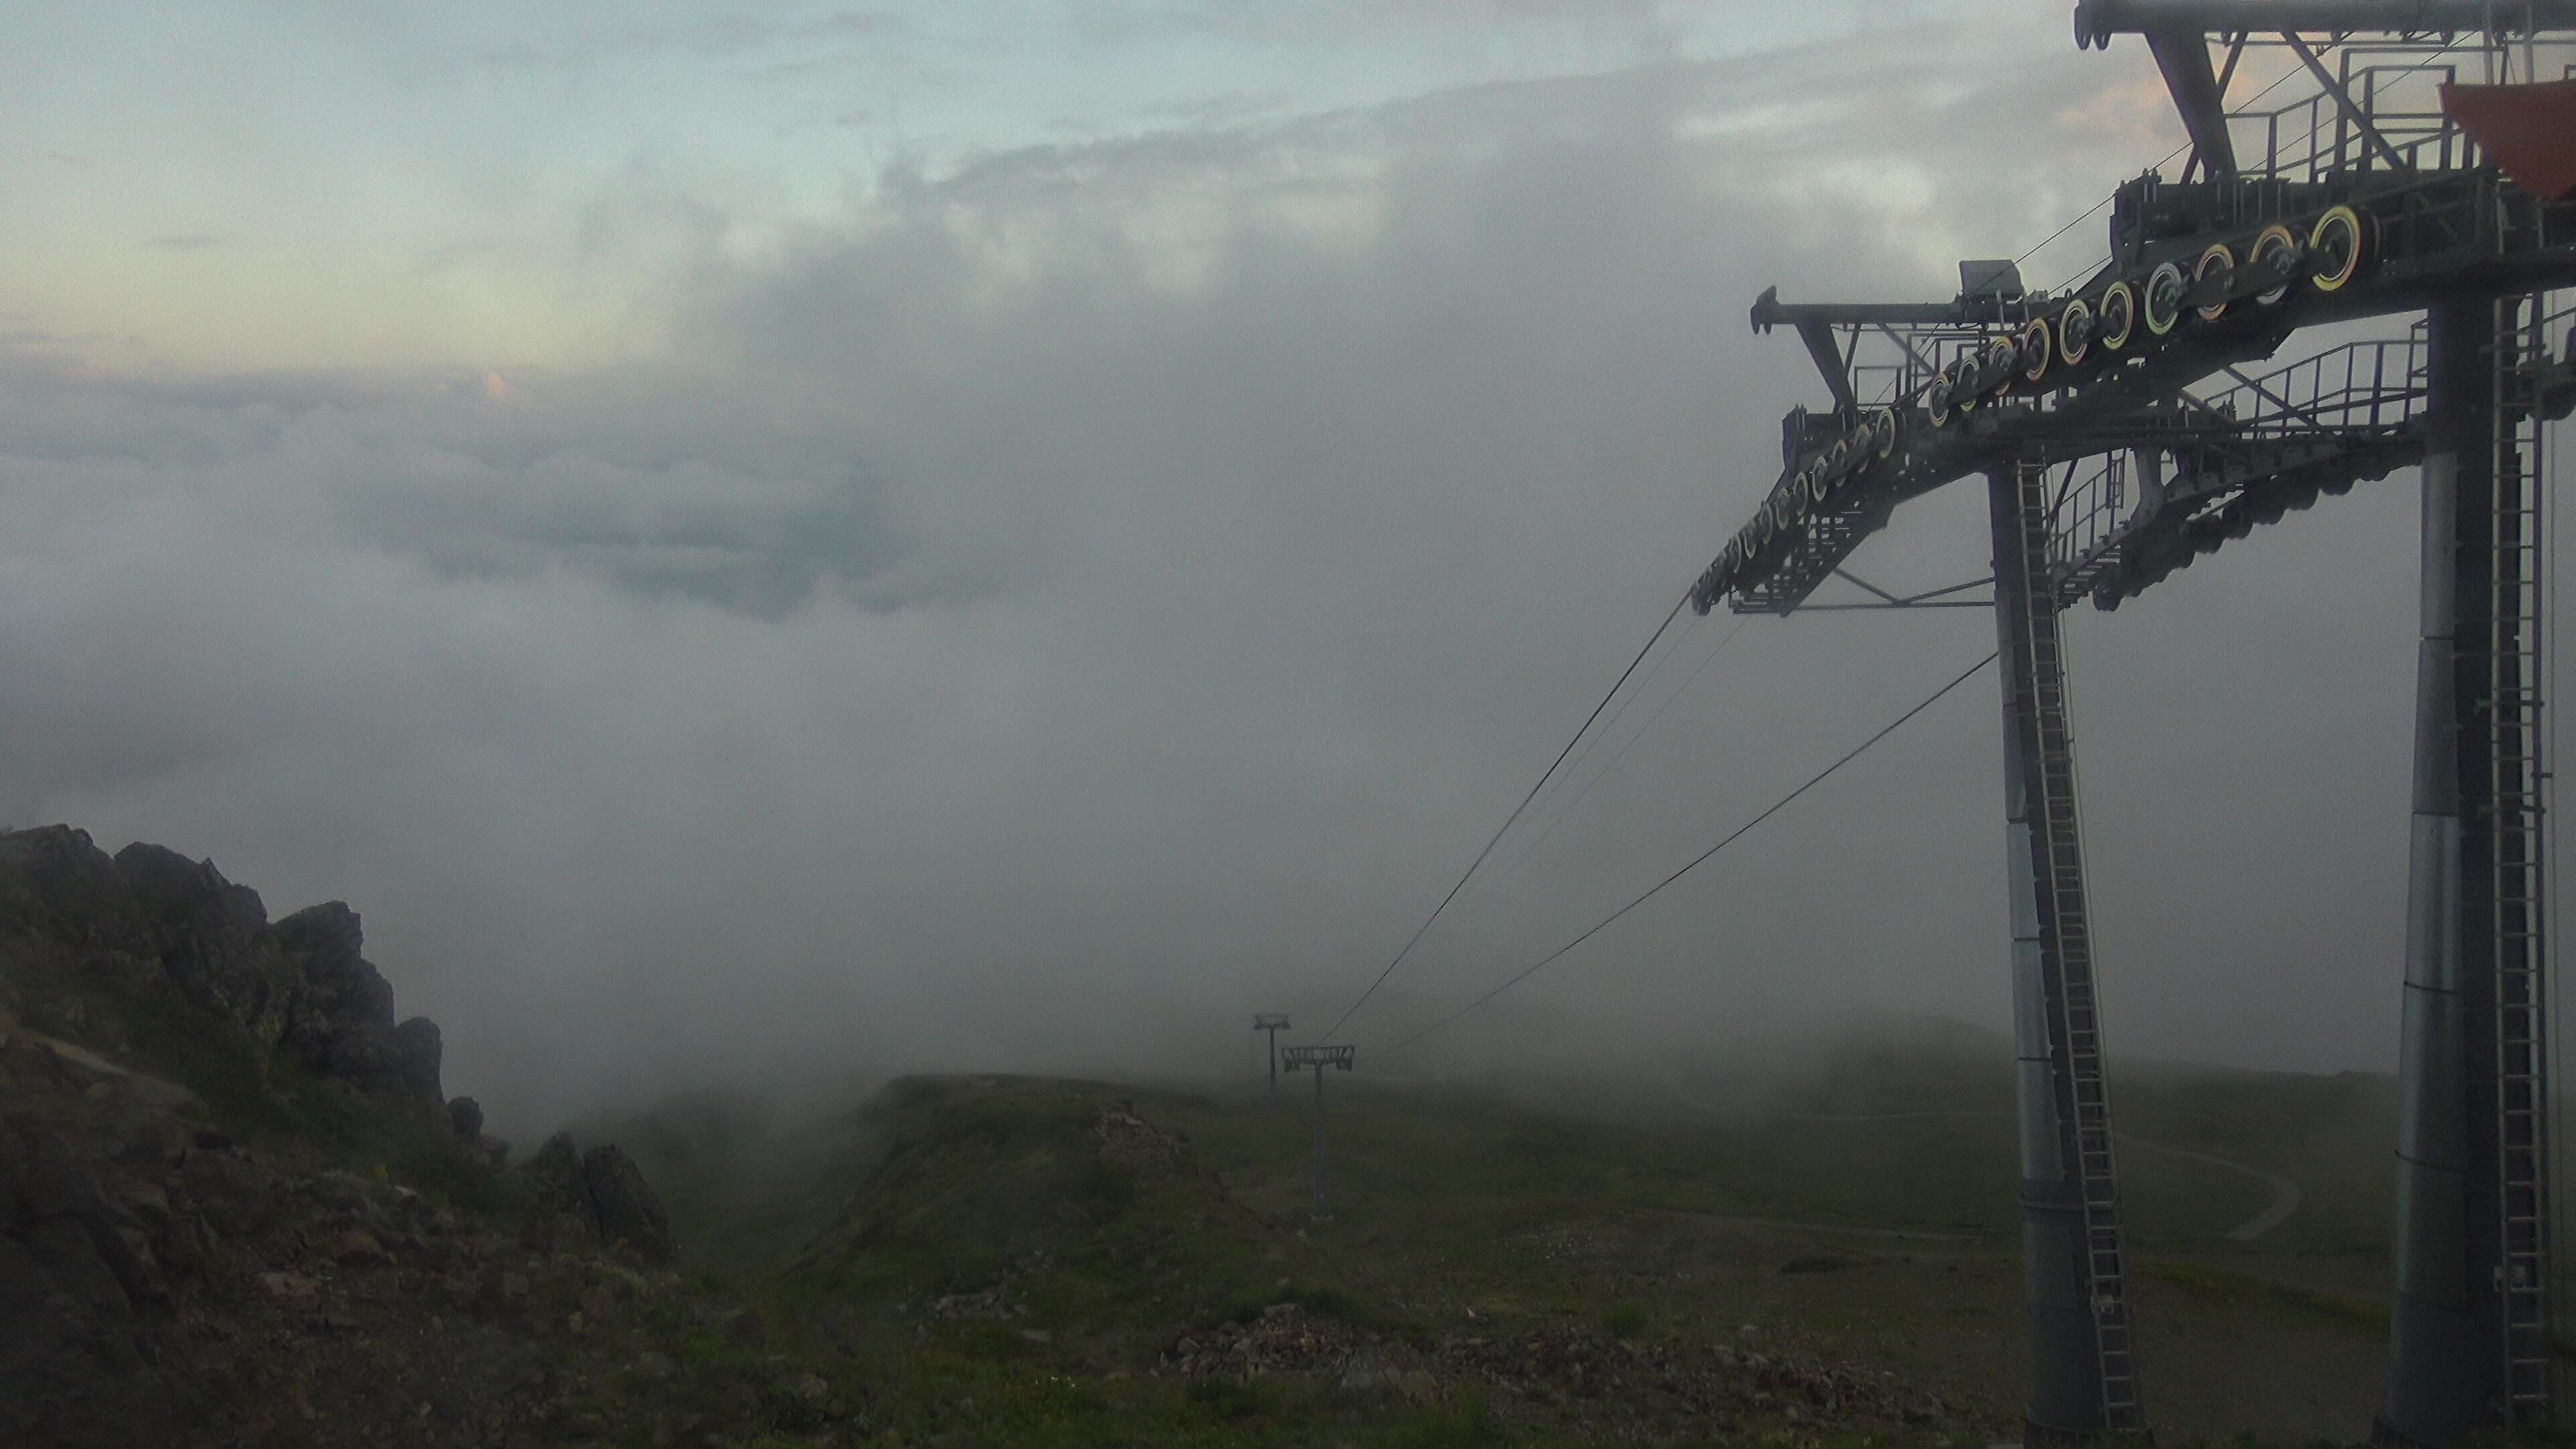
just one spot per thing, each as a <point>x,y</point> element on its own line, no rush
<point>2341,244</point>
<point>2161,307</point>
<point>2218,262</point>
<point>2271,242</point>
<point>2037,351</point>
<point>2076,330</point>
<point>2003,357</point>
<point>2116,319</point>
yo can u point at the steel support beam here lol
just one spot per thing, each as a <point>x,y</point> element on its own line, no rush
<point>1318,1058</point>
<point>1320,1214</point>
<point>1831,364</point>
<point>2096,21</point>
<point>1271,1023</point>
<point>2082,1382</point>
<point>2446,1353</point>
<point>2183,56</point>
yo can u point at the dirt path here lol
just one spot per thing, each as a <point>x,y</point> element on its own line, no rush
<point>2286,1196</point>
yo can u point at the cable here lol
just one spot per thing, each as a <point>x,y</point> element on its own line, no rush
<point>2159,166</point>
<point>1515,815</point>
<point>1549,825</point>
<point>1739,833</point>
<point>1546,800</point>
<point>2070,226</point>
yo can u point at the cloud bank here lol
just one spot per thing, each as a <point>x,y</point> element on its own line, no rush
<point>1094,592</point>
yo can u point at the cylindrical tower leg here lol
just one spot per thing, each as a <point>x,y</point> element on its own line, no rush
<point>2066,1377</point>
<point>2446,1356</point>
<point>1319,1141</point>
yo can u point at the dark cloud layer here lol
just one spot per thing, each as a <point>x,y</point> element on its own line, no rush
<point>1086,598</point>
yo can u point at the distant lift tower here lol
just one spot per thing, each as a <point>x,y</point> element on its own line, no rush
<point>1271,1023</point>
<point>1319,1057</point>
<point>2119,438</point>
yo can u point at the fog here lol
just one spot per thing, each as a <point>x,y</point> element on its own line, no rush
<point>1064,598</point>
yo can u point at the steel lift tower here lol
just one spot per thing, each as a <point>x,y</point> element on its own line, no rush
<point>1271,1024</point>
<point>1297,1058</point>
<point>2425,167</point>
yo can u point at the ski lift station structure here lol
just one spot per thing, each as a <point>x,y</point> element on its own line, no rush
<point>2426,166</point>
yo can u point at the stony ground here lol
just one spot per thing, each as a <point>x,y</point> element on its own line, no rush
<point>1622,1386</point>
<point>308,1244</point>
<point>163,1284</point>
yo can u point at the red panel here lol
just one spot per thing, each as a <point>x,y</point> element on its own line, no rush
<point>2529,131</point>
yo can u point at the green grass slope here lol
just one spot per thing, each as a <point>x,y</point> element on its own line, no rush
<point>1054,1201</point>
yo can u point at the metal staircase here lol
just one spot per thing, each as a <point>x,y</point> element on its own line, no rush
<point>2513,822</point>
<point>2232,459</point>
<point>2083,1099</point>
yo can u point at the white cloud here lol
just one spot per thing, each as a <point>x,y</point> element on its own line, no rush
<point>985,649</point>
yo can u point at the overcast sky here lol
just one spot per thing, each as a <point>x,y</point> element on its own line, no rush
<point>764,537</point>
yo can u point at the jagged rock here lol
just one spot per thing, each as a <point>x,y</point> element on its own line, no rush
<point>323,942</point>
<point>557,1167</point>
<point>63,877</point>
<point>624,1204</point>
<point>466,1116</point>
<point>416,1052</point>
<point>605,1195</point>
<point>153,918</point>
<point>211,937</point>
<point>340,1020</point>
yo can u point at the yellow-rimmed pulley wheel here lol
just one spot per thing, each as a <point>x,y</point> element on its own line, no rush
<point>2003,359</point>
<point>2160,307</point>
<point>2038,350</point>
<point>2075,331</point>
<point>2340,242</point>
<point>2269,243</point>
<point>2216,262</point>
<point>2115,318</point>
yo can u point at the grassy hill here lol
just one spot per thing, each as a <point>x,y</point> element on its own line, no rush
<point>1858,1220</point>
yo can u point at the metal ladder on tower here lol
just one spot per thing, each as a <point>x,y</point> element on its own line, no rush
<point>2067,956</point>
<point>2514,818</point>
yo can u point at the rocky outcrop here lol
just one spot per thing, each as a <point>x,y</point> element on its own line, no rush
<point>211,936</point>
<point>602,1194</point>
<point>152,917</point>
<point>160,1286</point>
<point>625,1206</point>
<point>465,1118</point>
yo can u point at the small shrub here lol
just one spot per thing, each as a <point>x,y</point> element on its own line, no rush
<point>1625,1320</point>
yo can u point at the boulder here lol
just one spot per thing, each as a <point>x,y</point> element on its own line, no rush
<point>466,1116</point>
<point>416,1050</point>
<point>625,1206</point>
<point>556,1167</point>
